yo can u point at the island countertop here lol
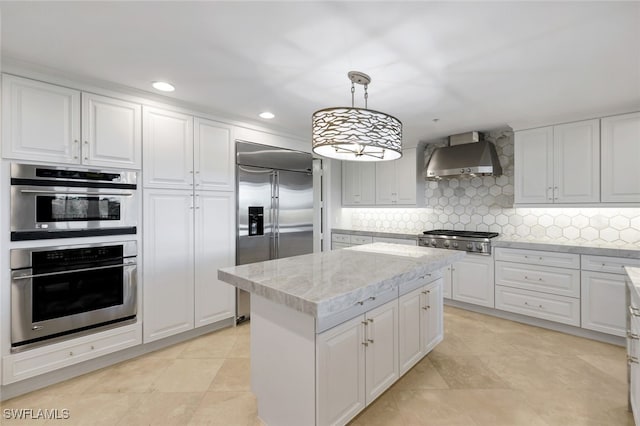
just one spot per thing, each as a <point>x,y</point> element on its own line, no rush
<point>321,284</point>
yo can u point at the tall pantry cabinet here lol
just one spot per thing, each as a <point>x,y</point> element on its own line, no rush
<point>189,222</point>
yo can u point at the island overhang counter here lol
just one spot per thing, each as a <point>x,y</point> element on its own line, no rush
<point>331,331</point>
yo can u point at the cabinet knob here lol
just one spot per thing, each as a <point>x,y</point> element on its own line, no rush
<point>425,307</point>
<point>370,320</point>
<point>370,340</point>
<point>70,353</point>
<point>365,343</point>
<point>92,348</point>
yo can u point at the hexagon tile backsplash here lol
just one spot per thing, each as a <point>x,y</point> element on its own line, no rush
<point>486,204</point>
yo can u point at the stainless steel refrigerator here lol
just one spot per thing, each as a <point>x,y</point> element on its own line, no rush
<point>275,207</point>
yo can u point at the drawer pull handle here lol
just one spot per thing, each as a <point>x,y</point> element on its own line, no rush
<point>632,359</point>
<point>365,343</point>
<point>370,320</point>
<point>633,336</point>
<point>365,322</point>
<point>70,353</point>
<point>425,276</point>
<point>370,341</point>
<point>425,307</point>
<point>540,258</point>
<point>541,307</point>
<point>362,301</point>
<point>634,312</point>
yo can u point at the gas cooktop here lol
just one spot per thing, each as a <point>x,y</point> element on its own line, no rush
<point>470,241</point>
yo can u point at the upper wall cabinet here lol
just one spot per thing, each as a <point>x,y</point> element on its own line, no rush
<point>396,180</point>
<point>620,156</point>
<point>558,164</point>
<point>380,183</point>
<point>177,157</point>
<point>45,122</point>
<point>358,183</point>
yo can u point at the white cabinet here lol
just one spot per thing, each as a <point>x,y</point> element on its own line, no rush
<point>396,180</point>
<point>403,241</point>
<point>168,149</point>
<point>214,249</point>
<point>45,122</point>
<point>539,284</point>
<point>633,350</point>
<point>447,282</point>
<point>472,280</point>
<point>214,162</point>
<point>558,164</point>
<point>176,156</point>
<point>339,241</point>
<point>619,160</point>
<point>168,232</point>
<point>111,132</point>
<point>603,293</point>
<point>421,327</point>
<point>187,237</point>
<point>358,183</point>
<point>357,362</point>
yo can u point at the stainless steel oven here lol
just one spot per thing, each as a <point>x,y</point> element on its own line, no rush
<point>64,290</point>
<point>60,202</point>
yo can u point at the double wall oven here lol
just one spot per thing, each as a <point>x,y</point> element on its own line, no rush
<point>66,290</point>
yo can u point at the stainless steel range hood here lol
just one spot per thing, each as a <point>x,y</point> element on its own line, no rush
<point>468,154</point>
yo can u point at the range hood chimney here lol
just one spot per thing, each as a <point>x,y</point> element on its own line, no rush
<point>468,154</point>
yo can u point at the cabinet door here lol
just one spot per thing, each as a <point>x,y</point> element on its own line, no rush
<point>341,372</point>
<point>168,149</point>
<point>213,156</point>
<point>576,149</point>
<point>619,162</point>
<point>168,263</point>
<point>406,175</point>
<point>603,302</point>
<point>214,249</point>
<point>410,330</point>
<point>381,353</point>
<point>533,166</point>
<point>40,121</point>
<point>111,132</point>
<point>386,192</point>
<point>473,280</point>
<point>432,312</point>
<point>446,282</point>
<point>358,183</point>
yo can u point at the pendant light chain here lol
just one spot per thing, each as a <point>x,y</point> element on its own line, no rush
<point>353,91</point>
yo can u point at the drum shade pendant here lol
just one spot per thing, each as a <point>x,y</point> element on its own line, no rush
<point>356,134</point>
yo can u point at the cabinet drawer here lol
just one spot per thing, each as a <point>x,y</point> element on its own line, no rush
<point>535,257</point>
<point>562,281</point>
<point>421,281</point>
<point>613,265</point>
<point>546,306</point>
<point>41,360</point>
<point>360,239</point>
<point>341,238</point>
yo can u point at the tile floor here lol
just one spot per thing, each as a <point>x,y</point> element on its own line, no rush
<point>487,371</point>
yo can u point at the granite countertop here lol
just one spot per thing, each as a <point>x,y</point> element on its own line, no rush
<point>376,234</point>
<point>321,284</point>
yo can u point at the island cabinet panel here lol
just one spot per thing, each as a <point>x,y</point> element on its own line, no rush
<point>420,324</point>
<point>381,349</point>
<point>341,372</point>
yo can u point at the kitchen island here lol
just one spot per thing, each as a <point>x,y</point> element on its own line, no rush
<point>331,331</point>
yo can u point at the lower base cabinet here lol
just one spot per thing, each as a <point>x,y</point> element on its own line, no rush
<point>603,302</point>
<point>357,362</point>
<point>421,327</point>
<point>472,280</point>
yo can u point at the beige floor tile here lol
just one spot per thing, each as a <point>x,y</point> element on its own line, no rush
<point>431,408</point>
<point>422,376</point>
<point>171,352</point>
<point>234,375</point>
<point>134,376</point>
<point>78,385</point>
<point>614,366</point>
<point>242,347</point>
<point>162,408</point>
<point>579,407</point>
<point>497,407</point>
<point>466,372</point>
<point>226,409</point>
<point>96,409</point>
<point>383,412</point>
<point>214,345</point>
<point>187,375</point>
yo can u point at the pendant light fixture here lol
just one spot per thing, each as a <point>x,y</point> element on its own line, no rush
<point>356,134</point>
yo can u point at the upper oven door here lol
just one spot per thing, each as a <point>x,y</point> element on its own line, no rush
<point>52,208</point>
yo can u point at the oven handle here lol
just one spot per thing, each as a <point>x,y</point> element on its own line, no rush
<point>49,274</point>
<point>118,194</point>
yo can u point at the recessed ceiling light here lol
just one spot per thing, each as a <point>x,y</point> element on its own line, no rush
<point>163,86</point>
<point>267,115</point>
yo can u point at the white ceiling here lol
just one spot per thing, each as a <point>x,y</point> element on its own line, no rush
<point>474,66</point>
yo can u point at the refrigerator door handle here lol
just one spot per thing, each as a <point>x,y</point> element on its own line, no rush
<point>277,214</point>
<point>273,254</point>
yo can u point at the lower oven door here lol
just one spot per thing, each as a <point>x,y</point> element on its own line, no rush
<point>54,304</point>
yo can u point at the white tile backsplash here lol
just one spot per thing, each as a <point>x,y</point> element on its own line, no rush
<point>486,204</point>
